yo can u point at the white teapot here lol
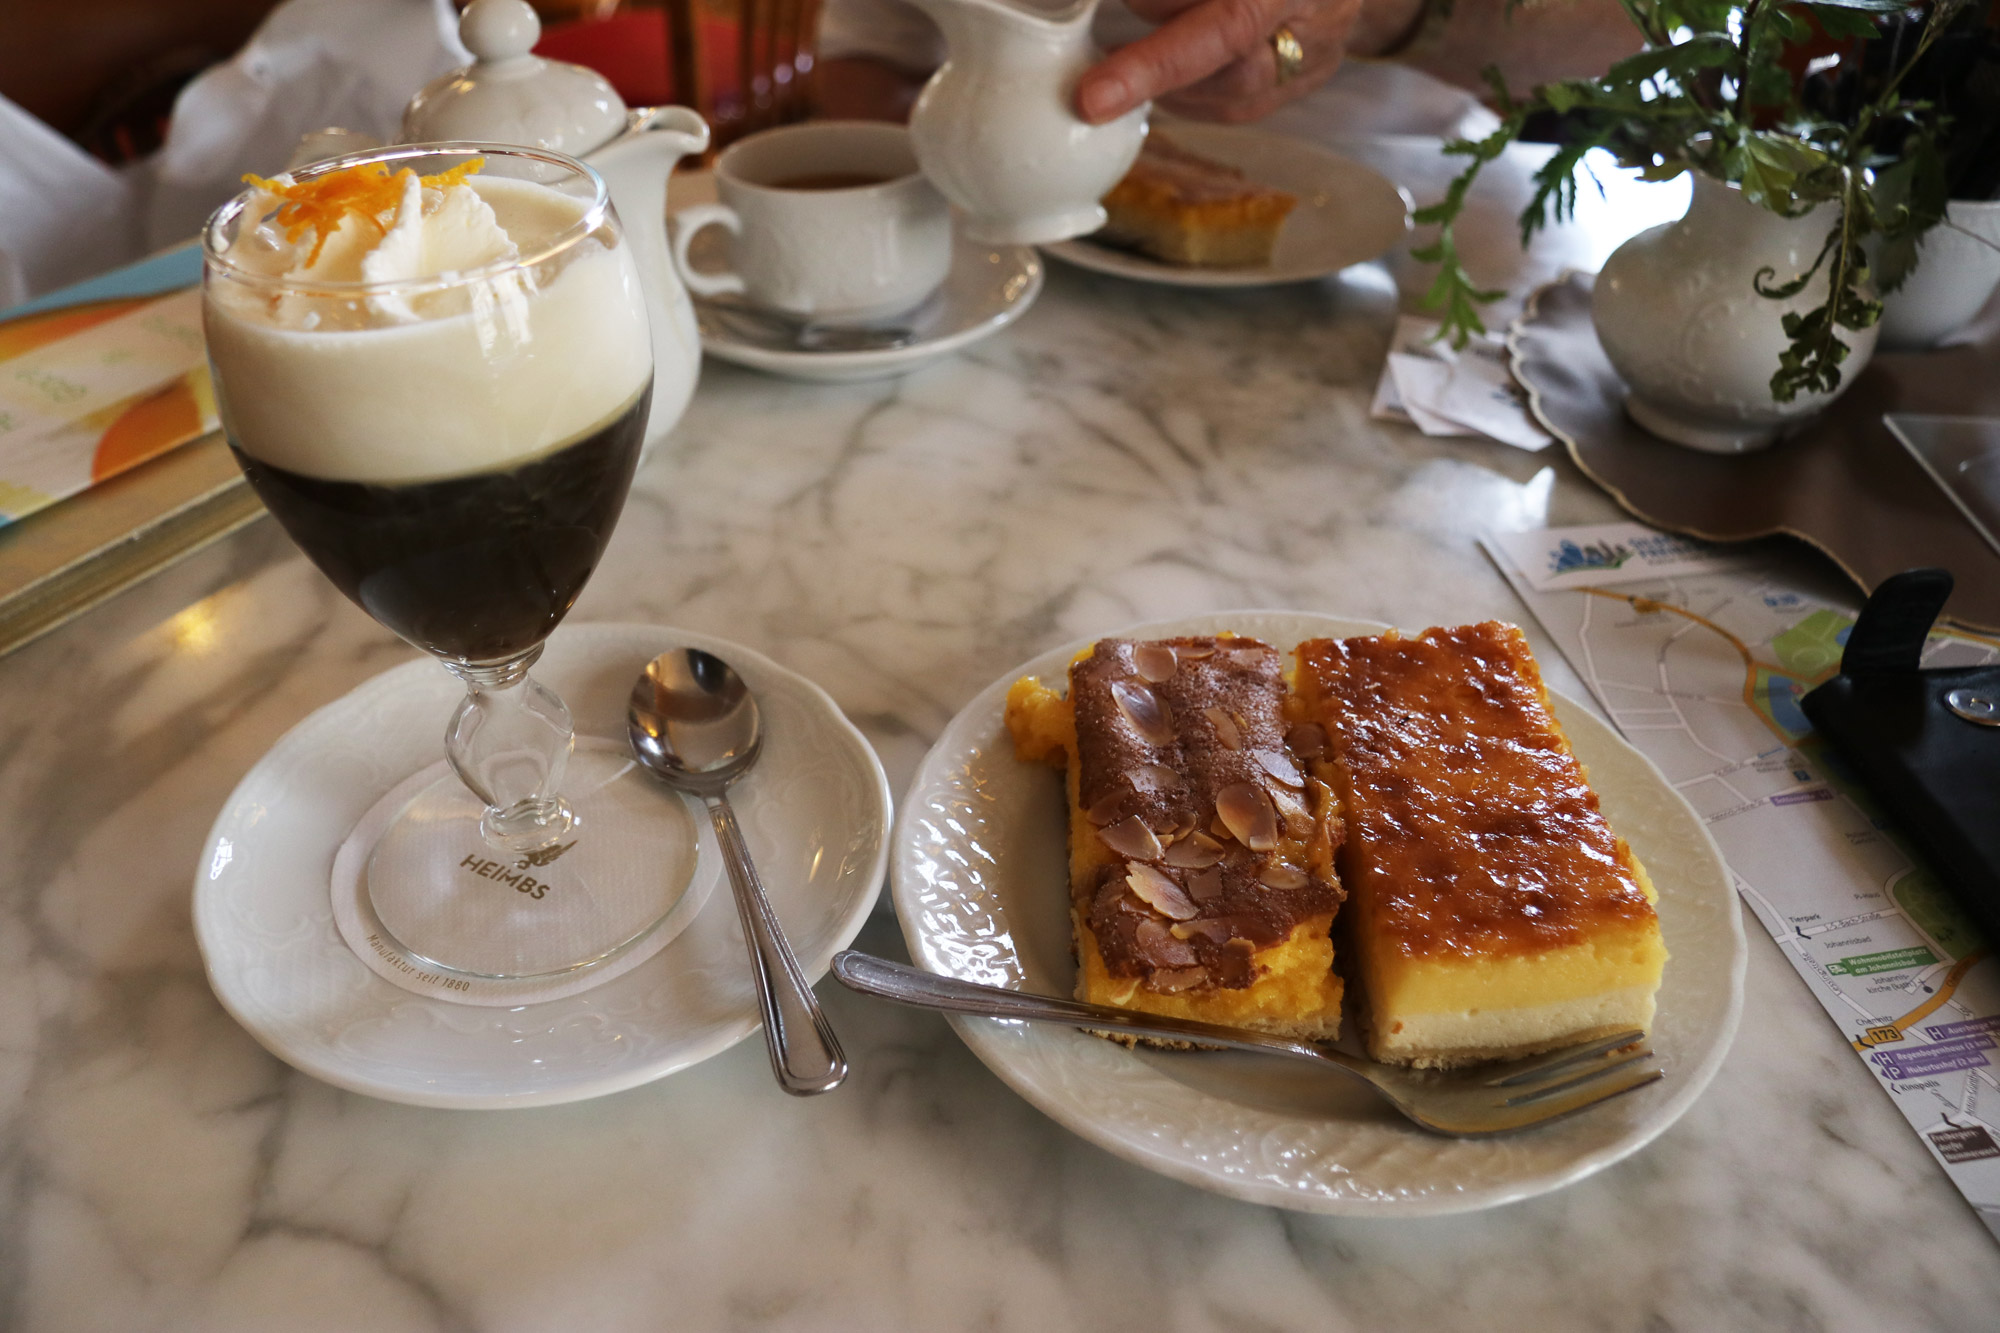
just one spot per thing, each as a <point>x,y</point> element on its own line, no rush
<point>509,95</point>
<point>994,128</point>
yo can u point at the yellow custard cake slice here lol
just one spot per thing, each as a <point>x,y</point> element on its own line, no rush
<point>1202,882</point>
<point>1182,208</point>
<point>1493,912</point>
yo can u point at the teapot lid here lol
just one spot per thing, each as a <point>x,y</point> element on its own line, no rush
<point>509,95</point>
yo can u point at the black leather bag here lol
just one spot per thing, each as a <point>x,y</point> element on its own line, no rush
<point>1926,743</point>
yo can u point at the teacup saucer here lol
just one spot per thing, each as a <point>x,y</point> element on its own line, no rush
<point>815,812</point>
<point>989,287</point>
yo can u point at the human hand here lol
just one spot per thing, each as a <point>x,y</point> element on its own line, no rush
<point>1216,60</point>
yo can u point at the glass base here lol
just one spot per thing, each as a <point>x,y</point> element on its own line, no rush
<point>449,899</point>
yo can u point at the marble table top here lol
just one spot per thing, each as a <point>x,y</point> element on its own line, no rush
<point>1123,453</point>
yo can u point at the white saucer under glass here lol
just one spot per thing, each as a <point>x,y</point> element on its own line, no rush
<point>815,813</point>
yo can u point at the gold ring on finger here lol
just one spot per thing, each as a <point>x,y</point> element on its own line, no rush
<point>1290,53</point>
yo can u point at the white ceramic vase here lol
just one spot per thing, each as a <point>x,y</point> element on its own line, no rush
<point>1958,266</point>
<point>1679,316</point>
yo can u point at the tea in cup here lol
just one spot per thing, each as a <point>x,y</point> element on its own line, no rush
<point>829,222</point>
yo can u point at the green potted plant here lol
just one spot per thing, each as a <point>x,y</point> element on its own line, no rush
<point>1753,312</point>
<point>1924,302</point>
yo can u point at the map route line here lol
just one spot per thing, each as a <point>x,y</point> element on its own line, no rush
<point>1647,605</point>
<point>1924,1010</point>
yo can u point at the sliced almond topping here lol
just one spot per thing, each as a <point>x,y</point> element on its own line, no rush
<point>1156,777</point>
<point>1159,948</point>
<point>1131,839</point>
<point>1194,853</point>
<point>1205,885</point>
<point>1299,822</point>
<point>1307,739</point>
<point>1155,661</point>
<point>1110,809</point>
<point>1171,980</point>
<point>1327,834</point>
<point>1146,711</point>
<point>1279,767</point>
<point>1282,875</point>
<point>1226,730</point>
<point>1246,808</point>
<point>1248,657</point>
<point>1159,892</point>
<point>1210,929</point>
<point>1195,652</point>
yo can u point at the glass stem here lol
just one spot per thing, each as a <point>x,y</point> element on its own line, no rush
<point>509,742</point>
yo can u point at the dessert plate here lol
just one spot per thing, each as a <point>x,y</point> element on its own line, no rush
<point>815,811</point>
<point>988,288</point>
<point>1348,213</point>
<point>980,884</point>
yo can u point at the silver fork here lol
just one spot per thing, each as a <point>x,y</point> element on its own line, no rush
<point>1465,1103</point>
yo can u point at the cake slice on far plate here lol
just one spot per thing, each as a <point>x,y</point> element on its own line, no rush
<point>1493,912</point>
<point>1182,208</point>
<point>1202,882</point>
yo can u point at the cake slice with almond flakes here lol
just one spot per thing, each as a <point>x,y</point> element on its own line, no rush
<point>1202,881</point>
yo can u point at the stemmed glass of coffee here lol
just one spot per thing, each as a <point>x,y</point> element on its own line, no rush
<point>432,362</point>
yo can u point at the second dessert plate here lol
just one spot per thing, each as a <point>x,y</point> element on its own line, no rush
<point>980,883</point>
<point>1348,213</point>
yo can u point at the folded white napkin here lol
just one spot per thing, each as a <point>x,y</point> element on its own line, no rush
<point>313,63</point>
<point>1447,391</point>
<point>63,214</point>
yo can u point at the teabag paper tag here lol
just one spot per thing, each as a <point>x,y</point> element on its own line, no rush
<point>1447,391</point>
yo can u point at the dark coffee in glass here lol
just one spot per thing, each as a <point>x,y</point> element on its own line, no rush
<point>476,568</point>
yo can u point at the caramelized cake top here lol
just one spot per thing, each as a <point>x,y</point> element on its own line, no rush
<point>1205,813</point>
<point>1469,817</point>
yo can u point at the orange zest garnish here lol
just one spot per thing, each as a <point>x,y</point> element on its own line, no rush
<point>366,191</point>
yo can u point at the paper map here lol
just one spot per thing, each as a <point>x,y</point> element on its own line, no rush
<point>1699,657</point>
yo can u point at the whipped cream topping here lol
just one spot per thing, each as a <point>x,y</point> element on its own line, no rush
<point>446,380</point>
<point>360,226</point>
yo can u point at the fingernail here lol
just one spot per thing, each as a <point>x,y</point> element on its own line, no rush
<point>1104,98</point>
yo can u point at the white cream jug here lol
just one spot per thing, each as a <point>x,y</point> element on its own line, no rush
<point>996,131</point>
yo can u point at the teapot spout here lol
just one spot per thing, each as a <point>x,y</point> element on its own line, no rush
<point>635,167</point>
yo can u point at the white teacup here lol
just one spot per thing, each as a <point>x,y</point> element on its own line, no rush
<point>831,221</point>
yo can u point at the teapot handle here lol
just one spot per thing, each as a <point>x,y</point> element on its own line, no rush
<point>635,166</point>
<point>684,226</point>
<point>642,194</point>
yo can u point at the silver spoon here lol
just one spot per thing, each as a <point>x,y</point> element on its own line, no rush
<point>771,329</point>
<point>693,724</point>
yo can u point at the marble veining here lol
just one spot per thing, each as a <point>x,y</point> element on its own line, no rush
<point>1123,453</point>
